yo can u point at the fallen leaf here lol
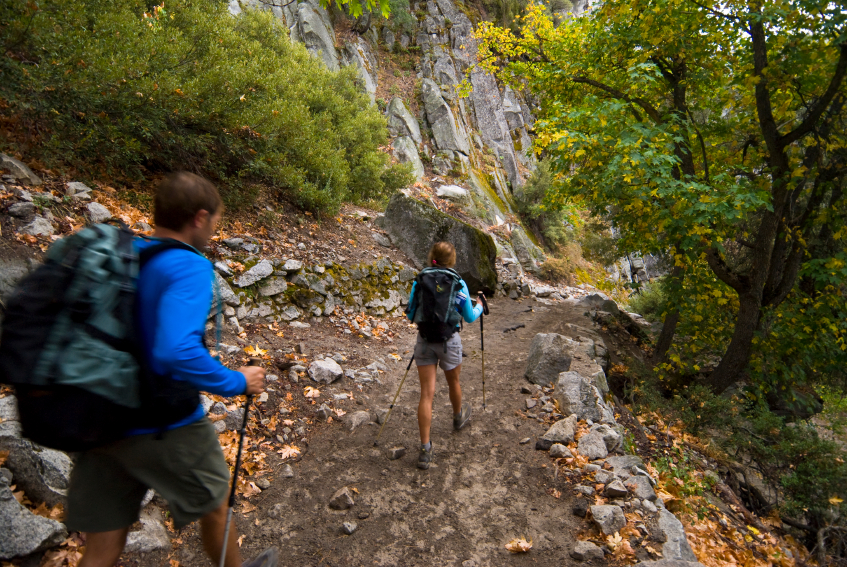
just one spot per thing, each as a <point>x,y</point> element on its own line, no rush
<point>240,540</point>
<point>519,545</point>
<point>255,351</point>
<point>310,392</point>
<point>340,412</point>
<point>288,422</point>
<point>289,451</point>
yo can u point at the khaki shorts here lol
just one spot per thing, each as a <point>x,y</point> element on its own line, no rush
<point>186,467</point>
<point>448,355</point>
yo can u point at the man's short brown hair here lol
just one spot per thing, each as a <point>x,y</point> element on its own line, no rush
<point>180,196</point>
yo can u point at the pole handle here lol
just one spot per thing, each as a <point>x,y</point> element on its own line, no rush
<point>484,303</point>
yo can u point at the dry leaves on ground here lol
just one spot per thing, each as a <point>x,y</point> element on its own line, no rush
<point>68,554</point>
<point>289,451</point>
<point>519,545</point>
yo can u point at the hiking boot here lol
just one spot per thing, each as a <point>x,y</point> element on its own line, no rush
<point>268,558</point>
<point>424,459</point>
<point>463,418</point>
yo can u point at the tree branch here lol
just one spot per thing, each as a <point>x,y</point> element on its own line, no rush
<point>646,106</point>
<point>724,272</point>
<point>822,103</point>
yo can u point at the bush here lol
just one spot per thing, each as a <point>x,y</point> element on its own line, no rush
<point>650,300</point>
<point>552,223</point>
<point>118,89</point>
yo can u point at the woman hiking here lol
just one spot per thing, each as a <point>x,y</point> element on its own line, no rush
<point>438,301</point>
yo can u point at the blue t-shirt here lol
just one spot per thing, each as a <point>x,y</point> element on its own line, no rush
<point>173,302</point>
<point>466,308</point>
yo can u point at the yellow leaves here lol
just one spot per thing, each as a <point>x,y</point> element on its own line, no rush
<point>255,351</point>
<point>835,500</point>
<point>310,392</point>
<point>519,545</point>
<point>289,451</point>
<point>579,153</point>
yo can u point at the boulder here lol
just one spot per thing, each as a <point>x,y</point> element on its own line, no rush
<point>357,418</point>
<point>273,286</point>
<point>152,535</point>
<point>19,170</point>
<point>97,213</point>
<point>325,371</point>
<point>225,292</point>
<point>528,253</point>
<point>641,488</point>
<point>491,123</point>
<point>358,53</point>
<point>414,227</point>
<point>559,451</point>
<point>42,473</point>
<point>560,432</point>
<point>75,188</point>
<point>315,31</point>
<point>576,394</point>
<point>586,551</point>
<point>608,518</point>
<point>401,122</point>
<point>22,532</point>
<point>592,446</point>
<point>676,545</point>
<point>454,193</point>
<point>405,150</point>
<point>22,210</point>
<point>611,438</point>
<point>257,273</point>
<point>549,355</point>
<point>624,463</point>
<point>39,227</point>
<point>616,489</point>
<point>448,132</point>
<point>342,499</point>
<point>11,272</point>
<point>292,266</point>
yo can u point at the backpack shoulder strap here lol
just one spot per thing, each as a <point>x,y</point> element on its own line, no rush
<point>162,246</point>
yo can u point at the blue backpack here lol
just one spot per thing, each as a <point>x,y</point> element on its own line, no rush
<point>435,303</point>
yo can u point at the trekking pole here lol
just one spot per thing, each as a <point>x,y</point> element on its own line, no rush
<point>391,407</point>
<point>482,342</point>
<point>242,432</point>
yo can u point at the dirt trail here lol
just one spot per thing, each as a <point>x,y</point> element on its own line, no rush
<point>483,489</point>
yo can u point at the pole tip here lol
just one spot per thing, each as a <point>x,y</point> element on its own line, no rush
<point>376,443</point>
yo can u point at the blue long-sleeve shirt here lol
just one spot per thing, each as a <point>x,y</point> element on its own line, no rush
<point>173,301</point>
<point>466,308</point>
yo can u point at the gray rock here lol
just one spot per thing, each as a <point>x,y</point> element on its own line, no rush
<point>671,563</point>
<point>325,371</point>
<point>580,507</point>
<point>576,395</point>
<point>401,122</point>
<point>586,551</point>
<point>22,532</point>
<point>624,463</point>
<point>263,483</point>
<point>525,440</point>
<point>549,355</point>
<point>585,490</point>
<point>454,193</point>
<point>342,499</point>
<point>641,488</point>
<point>233,243</point>
<point>381,239</point>
<point>591,467</point>
<point>42,473</point>
<point>286,471</point>
<point>405,150</point>
<point>225,292</point>
<point>9,408</point>
<point>357,418</point>
<point>260,271</point>
<point>39,227</point>
<point>299,325</point>
<point>448,132</point>
<point>414,227</point>
<point>530,403</point>
<point>292,266</point>
<point>314,29</point>
<point>616,489</point>
<point>273,286</point>
<point>649,506</point>
<point>19,170</point>
<point>380,416</point>
<point>358,54</point>
<point>395,453</point>
<point>21,194</point>
<point>234,418</point>
<point>75,187</point>
<point>560,432</point>
<point>290,313</point>
<point>559,451</point>
<point>349,527</point>
<point>604,477</point>
<point>529,255</point>
<point>592,446</point>
<point>323,412</point>
<point>11,272</point>
<point>676,545</point>
<point>151,537</point>
<point>491,122</point>
<point>22,210</point>
<point>611,438</point>
<point>608,518</point>
<point>97,213</point>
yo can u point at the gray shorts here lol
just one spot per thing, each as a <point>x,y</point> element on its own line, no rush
<point>448,354</point>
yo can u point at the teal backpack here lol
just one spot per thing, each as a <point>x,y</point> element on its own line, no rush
<point>68,345</point>
<point>435,303</point>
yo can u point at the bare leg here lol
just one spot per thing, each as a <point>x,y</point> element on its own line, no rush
<point>102,549</point>
<point>212,532</point>
<point>455,389</point>
<point>426,374</point>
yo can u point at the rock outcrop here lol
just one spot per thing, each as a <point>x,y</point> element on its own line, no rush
<point>415,226</point>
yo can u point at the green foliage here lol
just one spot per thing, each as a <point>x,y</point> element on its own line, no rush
<point>116,87</point>
<point>356,7</point>
<point>505,13</point>
<point>650,301</point>
<point>553,223</point>
<point>401,18</point>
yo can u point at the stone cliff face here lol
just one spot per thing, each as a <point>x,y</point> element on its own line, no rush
<point>481,142</point>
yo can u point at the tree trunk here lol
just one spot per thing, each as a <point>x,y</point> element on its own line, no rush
<point>670,323</point>
<point>737,355</point>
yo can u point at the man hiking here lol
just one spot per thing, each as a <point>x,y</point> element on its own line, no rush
<point>182,461</point>
<point>439,298</point>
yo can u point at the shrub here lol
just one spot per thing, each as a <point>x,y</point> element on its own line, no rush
<point>649,301</point>
<point>116,88</point>
<point>552,223</point>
